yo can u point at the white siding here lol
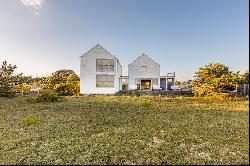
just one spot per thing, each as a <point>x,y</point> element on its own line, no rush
<point>135,73</point>
<point>88,72</point>
<point>118,75</point>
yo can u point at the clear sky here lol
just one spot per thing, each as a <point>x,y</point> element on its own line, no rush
<point>42,36</point>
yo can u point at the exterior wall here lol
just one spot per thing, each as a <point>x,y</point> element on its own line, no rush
<point>118,75</point>
<point>88,72</point>
<point>135,73</point>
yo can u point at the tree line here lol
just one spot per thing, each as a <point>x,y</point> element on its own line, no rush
<point>65,82</point>
<point>209,80</point>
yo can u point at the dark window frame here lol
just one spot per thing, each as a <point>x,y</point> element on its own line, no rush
<point>105,65</point>
<point>107,81</point>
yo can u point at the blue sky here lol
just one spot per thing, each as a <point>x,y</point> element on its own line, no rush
<point>42,36</point>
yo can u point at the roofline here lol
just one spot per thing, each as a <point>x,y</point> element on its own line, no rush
<point>104,49</point>
<point>118,62</point>
<point>98,45</point>
<point>147,56</point>
<point>167,76</point>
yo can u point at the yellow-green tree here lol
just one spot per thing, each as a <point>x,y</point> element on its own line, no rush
<point>64,82</point>
<point>23,88</point>
<point>246,77</point>
<point>215,78</point>
<point>182,82</point>
<point>73,83</point>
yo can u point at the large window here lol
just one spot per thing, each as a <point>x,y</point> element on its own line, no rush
<point>105,81</point>
<point>105,65</point>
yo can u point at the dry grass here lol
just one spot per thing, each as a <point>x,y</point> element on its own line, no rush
<point>125,130</point>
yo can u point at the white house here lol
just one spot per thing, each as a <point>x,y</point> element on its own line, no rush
<point>143,74</point>
<point>101,73</point>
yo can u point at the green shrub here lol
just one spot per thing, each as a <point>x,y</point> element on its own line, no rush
<point>145,102</point>
<point>63,89</point>
<point>137,93</point>
<point>65,82</point>
<point>48,96</point>
<point>30,120</point>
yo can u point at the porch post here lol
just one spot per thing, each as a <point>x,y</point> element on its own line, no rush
<point>166,84</point>
<point>151,86</point>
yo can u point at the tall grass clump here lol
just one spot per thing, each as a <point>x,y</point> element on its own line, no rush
<point>145,102</point>
<point>48,96</point>
<point>30,120</point>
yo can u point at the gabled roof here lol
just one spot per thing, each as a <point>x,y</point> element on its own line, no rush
<point>144,56</point>
<point>98,46</point>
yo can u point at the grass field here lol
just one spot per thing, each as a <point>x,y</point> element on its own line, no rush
<point>125,130</point>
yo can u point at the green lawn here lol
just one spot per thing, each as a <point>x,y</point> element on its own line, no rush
<point>125,130</point>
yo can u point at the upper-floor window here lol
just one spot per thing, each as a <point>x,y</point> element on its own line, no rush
<point>105,65</point>
<point>143,68</point>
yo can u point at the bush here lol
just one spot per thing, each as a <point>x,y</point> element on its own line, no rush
<point>215,78</point>
<point>48,96</point>
<point>145,102</point>
<point>23,88</point>
<point>137,93</point>
<point>30,120</point>
<point>64,82</point>
<point>63,89</point>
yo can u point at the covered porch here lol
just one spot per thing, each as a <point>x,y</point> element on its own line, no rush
<point>167,81</point>
<point>143,84</point>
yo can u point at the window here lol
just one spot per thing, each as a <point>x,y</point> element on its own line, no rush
<point>143,68</point>
<point>105,65</point>
<point>105,81</point>
<point>138,86</point>
<point>124,82</point>
<point>155,81</point>
<point>170,80</point>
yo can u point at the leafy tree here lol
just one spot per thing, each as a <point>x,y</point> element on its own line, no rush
<point>177,82</point>
<point>182,82</point>
<point>215,78</point>
<point>8,80</point>
<point>26,79</point>
<point>23,88</point>
<point>64,81</point>
<point>246,77</point>
<point>27,83</point>
<point>73,82</point>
